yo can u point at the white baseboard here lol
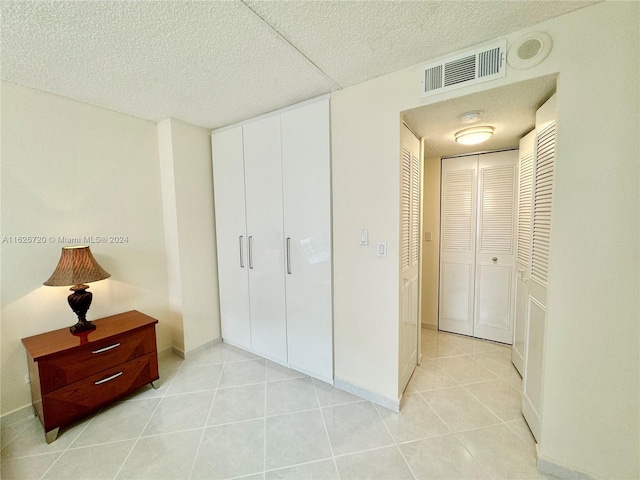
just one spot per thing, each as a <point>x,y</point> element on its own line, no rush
<point>551,467</point>
<point>367,395</point>
<point>184,355</point>
<point>17,415</point>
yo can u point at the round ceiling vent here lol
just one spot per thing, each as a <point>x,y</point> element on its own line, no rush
<point>529,50</point>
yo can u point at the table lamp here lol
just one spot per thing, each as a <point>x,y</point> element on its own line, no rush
<point>77,267</point>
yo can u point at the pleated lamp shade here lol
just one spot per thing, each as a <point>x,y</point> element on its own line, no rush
<point>76,266</point>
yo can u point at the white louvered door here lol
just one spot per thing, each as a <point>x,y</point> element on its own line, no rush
<point>477,246</point>
<point>409,255</point>
<point>495,246</point>
<point>458,244</point>
<point>542,198</point>
<point>523,248</point>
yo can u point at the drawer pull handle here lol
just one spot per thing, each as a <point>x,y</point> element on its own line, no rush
<point>108,379</point>
<point>110,347</point>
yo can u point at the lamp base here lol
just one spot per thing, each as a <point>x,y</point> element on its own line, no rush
<point>82,327</point>
<point>80,301</point>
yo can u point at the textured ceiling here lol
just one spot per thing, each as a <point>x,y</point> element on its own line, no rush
<point>510,110</point>
<point>212,63</point>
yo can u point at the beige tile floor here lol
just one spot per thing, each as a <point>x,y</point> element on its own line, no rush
<point>228,414</point>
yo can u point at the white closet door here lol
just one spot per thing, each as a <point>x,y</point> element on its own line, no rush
<point>263,181</point>
<point>523,241</point>
<point>542,198</point>
<point>228,180</point>
<point>495,246</point>
<point>307,220</point>
<point>458,244</point>
<point>410,196</point>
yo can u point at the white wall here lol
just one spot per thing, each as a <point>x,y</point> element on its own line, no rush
<point>72,169</point>
<point>431,249</point>
<point>591,403</point>
<point>187,190</point>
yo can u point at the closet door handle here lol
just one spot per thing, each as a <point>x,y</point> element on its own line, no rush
<point>289,255</point>
<point>251,252</point>
<point>241,251</point>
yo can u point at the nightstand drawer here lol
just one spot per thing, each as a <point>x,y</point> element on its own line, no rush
<point>74,401</point>
<point>72,366</point>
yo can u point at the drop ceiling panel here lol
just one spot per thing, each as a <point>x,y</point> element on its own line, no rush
<point>213,63</point>
<point>353,41</point>
<point>208,63</point>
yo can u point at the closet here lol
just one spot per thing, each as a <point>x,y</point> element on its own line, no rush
<point>534,249</point>
<point>477,246</point>
<point>273,227</point>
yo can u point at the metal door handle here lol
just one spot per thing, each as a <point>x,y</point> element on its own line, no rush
<point>241,252</point>
<point>289,255</point>
<point>251,252</point>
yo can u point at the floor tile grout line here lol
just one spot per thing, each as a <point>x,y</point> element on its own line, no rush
<point>437,414</point>
<point>473,456</point>
<point>326,429</point>
<point>35,417</point>
<point>395,442</point>
<point>484,404</point>
<point>206,422</point>
<point>141,431</point>
<point>295,465</point>
<point>71,443</point>
<point>264,423</point>
<point>27,420</point>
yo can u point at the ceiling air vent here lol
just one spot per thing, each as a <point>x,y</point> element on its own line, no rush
<point>471,67</point>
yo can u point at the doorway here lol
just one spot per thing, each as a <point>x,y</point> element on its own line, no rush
<point>511,111</point>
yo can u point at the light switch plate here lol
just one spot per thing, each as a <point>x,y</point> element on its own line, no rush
<point>364,237</point>
<point>382,249</point>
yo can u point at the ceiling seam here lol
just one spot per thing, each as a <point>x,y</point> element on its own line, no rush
<point>292,46</point>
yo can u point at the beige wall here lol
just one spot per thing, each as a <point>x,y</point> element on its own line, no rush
<point>430,249</point>
<point>72,169</point>
<point>187,190</point>
<point>591,402</point>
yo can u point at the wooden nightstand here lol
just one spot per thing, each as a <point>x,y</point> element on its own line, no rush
<point>73,375</point>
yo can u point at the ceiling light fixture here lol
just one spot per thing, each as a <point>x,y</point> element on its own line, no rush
<point>474,135</point>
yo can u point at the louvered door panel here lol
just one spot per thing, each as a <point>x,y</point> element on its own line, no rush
<point>415,208</point>
<point>524,208</point>
<point>458,212</point>
<point>523,249</point>
<point>410,246</point>
<point>497,209</point>
<point>542,199</point>
<point>406,209</point>
<point>457,240</point>
<point>495,254</point>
